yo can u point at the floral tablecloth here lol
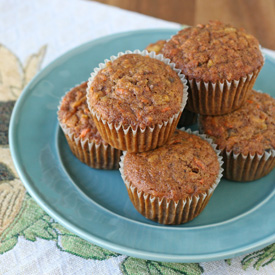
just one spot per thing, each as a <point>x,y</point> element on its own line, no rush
<point>32,34</point>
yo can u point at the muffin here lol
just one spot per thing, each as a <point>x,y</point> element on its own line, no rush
<point>187,117</point>
<point>220,62</point>
<point>173,183</point>
<point>246,137</point>
<point>156,46</point>
<point>80,131</point>
<point>136,100</point>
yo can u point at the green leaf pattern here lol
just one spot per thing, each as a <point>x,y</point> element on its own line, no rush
<point>79,247</point>
<point>32,223</point>
<point>260,258</point>
<point>8,244</point>
<point>134,266</point>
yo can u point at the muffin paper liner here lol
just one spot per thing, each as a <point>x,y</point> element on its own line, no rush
<point>219,98</point>
<point>94,154</point>
<point>239,167</point>
<point>169,211</point>
<point>134,138</point>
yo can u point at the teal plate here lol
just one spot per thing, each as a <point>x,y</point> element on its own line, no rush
<point>94,204</point>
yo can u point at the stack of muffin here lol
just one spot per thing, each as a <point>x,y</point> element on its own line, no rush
<point>221,64</point>
<point>135,100</point>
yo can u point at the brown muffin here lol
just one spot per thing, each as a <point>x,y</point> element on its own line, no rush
<point>246,137</point>
<point>156,47</point>
<point>136,101</point>
<point>173,183</point>
<point>81,133</point>
<point>187,117</point>
<point>221,63</point>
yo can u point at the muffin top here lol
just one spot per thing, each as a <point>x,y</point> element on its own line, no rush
<point>250,129</point>
<point>136,90</point>
<point>185,166</point>
<point>75,115</point>
<point>214,52</point>
<point>156,47</point>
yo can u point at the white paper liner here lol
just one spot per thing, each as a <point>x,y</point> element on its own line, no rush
<point>207,98</point>
<point>239,167</point>
<point>134,138</point>
<point>168,211</point>
<point>95,154</point>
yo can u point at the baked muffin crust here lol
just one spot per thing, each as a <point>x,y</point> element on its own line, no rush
<point>185,166</point>
<point>250,129</point>
<point>156,47</point>
<point>136,90</point>
<point>75,115</point>
<point>214,52</point>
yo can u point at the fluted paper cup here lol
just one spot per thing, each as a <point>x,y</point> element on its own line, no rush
<point>207,98</point>
<point>135,138</point>
<point>96,154</point>
<point>239,167</point>
<point>169,211</point>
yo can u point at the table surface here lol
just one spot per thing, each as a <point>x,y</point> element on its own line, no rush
<point>256,16</point>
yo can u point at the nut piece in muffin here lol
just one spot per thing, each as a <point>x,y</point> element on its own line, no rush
<point>81,133</point>
<point>173,183</point>
<point>136,101</point>
<point>246,137</point>
<point>220,62</point>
